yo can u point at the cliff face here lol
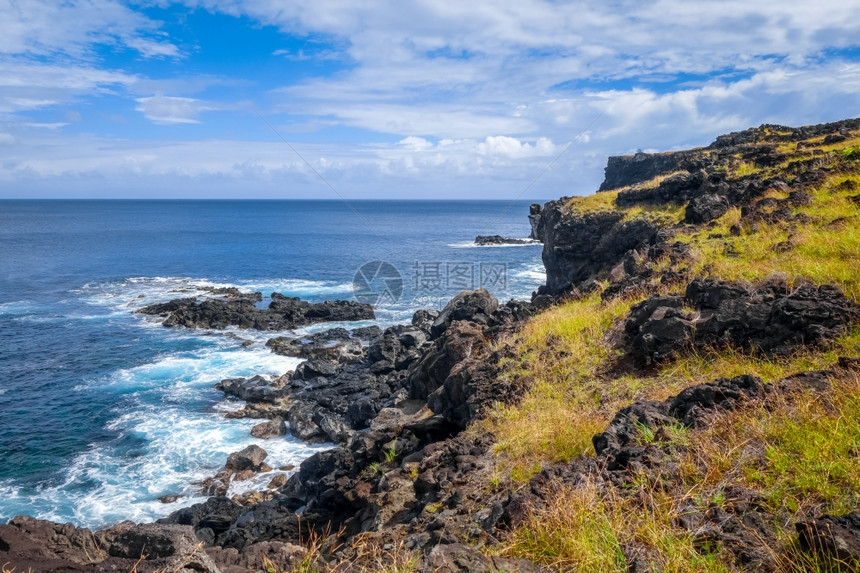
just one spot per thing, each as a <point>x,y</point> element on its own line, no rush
<point>582,245</point>
<point>623,170</point>
<point>626,170</point>
<point>578,248</point>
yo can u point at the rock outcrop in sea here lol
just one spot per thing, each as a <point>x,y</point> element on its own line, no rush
<point>283,313</point>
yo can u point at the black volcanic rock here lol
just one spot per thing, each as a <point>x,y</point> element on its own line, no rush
<point>705,208</point>
<point>331,400</point>
<point>250,458</point>
<point>833,536</point>
<point>336,344</point>
<point>283,313</point>
<point>488,240</point>
<point>536,222</point>
<point>255,389</point>
<point>579,248</point>
<point>475,305</point>
<point>625,170</point>
<point>675,189</point>
<point>269,429</point>
<point>769,317</point>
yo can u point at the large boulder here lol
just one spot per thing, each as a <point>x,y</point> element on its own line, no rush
<point>256,389</point>
<point>473,305</point>
<point>769,317</point>
<point>705,208</point>
<point>250,458</point>
<point>210,520</point>
<point>457,343</point>
<point>465,391</point>
<point>336,344</point>
<point>269,429</point>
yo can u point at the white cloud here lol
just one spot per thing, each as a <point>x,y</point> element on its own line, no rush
<point>72,27</point>
<point>415,143</point>
<point>168,109</point>
<point>500,86</point>
<point>59,77</point>
<point>150,48</point>
<point>56,125</point>
<point>450,69</point>
<point>27,86</point>
<point>514,148</point>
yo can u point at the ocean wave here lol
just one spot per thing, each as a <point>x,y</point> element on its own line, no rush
<point>136,292</point>
<point>202,367</point>
<point>169,432</point>
<point>160,451</point>
<point>18,307</point>
<point>296,287</point>
<point>533,273</point>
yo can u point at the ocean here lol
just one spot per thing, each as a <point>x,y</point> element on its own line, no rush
<point>104,411</point>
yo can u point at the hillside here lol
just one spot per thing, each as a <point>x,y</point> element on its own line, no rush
<point>733,248</point>
<point>682,395</point>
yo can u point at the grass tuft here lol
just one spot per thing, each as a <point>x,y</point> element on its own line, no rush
<point>589,528</point>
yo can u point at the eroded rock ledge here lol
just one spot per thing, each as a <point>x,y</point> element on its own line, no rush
<point>283,313</point>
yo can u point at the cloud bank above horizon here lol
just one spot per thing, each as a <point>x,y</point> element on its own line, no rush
<point>441,99</point>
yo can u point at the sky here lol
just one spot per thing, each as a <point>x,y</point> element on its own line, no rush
<point>429,99</point>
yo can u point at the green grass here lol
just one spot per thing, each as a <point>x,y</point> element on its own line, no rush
<point>813,452</point>
<point>560,351</point>
<point>588,528</point>
<point>802,454</point>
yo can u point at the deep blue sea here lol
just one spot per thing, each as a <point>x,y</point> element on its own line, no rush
<point>104,410</point>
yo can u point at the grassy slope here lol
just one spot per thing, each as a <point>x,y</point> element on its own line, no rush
<point>806,458</point>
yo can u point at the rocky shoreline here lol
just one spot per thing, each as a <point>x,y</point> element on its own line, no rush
<point>408,474</point>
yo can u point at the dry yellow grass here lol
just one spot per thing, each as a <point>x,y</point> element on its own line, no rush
<point>592,528</point>
<point>799,449</point>
<point>564,354</point>
<point>560,352</point>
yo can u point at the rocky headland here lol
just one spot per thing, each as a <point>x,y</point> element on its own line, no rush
<point>683,394</point>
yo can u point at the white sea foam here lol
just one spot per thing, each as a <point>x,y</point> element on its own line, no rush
<point>17,307</point>
<point>533,273</point>
<point>136,292</point>
<point>171,433</point>
<point>198,368</point>
<point>106,484</point>
<point>297,287</point>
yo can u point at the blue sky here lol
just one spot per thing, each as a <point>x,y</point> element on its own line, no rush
<point>426,99</point>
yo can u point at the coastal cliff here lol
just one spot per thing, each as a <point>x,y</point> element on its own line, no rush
<point>682,394</point>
